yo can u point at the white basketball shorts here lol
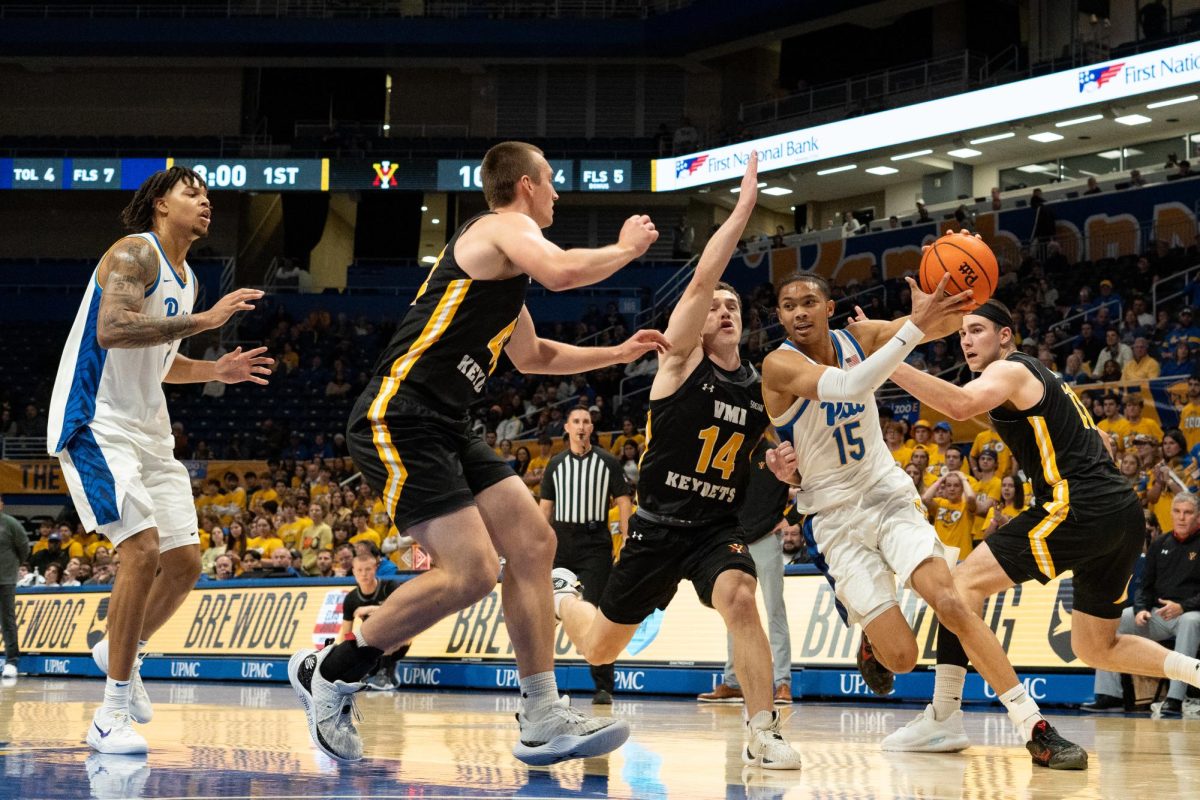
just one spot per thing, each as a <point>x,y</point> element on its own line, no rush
<point>863,546</point>
<point>123,484</point>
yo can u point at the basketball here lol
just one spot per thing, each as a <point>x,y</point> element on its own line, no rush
<point>971,264</point>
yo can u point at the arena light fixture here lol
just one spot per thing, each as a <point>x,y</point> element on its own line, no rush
<point>1046,137</point>
<point>1032,168</point>
<point>1174,101</point>
<point>993,138</point>
<point>435,221</point>
<point>1133,119</point>
<point>882,170</point>
<point>429,260</point>
<point>777,191</point>
<point>738,189</point>
<point>843,168</point>
<point>424,208</point>
<point>913,154</point>
<point>963,152</point>
<point>1066,123</point>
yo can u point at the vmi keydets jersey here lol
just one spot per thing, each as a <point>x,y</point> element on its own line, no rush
<point>839,448</point>
<point>698,445</point>
<point>450,339</point>
<point>1058,445</point>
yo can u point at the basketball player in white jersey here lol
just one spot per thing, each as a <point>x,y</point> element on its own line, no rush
<point>109,427</point>
<point>865,525</point>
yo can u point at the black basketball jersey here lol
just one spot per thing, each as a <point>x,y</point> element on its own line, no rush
<point>1059,447</point>
<point>450,340</point>
<point>698,445</point>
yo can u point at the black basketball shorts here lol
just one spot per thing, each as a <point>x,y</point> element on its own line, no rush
<point>424,464</point>
<point>1045,541</point>
<point>657,557</point>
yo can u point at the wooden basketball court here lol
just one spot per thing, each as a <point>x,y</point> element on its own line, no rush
<point>232,741</point>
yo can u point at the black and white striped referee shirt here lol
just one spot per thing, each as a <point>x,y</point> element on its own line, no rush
<point>581,486</point>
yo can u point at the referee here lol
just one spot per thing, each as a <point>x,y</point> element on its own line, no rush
<point>576,489</point>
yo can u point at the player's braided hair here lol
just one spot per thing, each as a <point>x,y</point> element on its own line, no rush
<point>138,216</point>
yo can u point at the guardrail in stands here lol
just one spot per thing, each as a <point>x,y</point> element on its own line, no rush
<point>318,129</point>
<point>324,9</point>
<point>13,447</point>
<point>1157,295</point>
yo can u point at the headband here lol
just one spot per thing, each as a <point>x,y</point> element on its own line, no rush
<point>993,312</point>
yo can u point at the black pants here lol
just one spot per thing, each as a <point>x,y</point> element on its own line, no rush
<point>8,623</point>
<point>586,550</point>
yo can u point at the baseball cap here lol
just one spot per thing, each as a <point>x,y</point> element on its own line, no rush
<point>922,423</point>
<point>1144,438</point>
<point>54,537</point>
<point>1106,282</point>
<point>989,452</point>
<point>1185,310</point>
<point>942,426</point>
<point>594,408</point>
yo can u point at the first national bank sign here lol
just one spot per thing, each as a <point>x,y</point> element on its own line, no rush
<point>1061,91</point>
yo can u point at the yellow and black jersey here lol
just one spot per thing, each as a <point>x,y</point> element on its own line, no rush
<point>698,446</point>
<point>1059,446</point>
<point>450,340</point>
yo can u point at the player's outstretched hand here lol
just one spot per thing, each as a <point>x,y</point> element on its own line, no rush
<point>237,366</point>
<point>781,460</point>
<point>748,195</point>
<point>641,343</point>
<point>230,304</point>
<point>938,314</point>
<point>637,234</point>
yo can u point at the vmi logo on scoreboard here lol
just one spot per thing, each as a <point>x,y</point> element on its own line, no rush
<point>385,174</point>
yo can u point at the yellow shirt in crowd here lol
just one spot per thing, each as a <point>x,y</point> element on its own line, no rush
<point>954,523</point>
<point>990,440</point>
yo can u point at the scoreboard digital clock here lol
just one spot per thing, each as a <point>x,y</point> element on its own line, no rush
<point>260,174</point>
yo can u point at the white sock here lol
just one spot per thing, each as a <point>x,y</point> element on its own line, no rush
<point>1022,709</point>
<point>1179,667</point>
<point>948,681</point>
<point>116,696</point>
<point>538,693</point>
<point>360,640</point>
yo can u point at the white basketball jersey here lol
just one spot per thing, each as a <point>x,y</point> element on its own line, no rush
<point>839,447</point>
<point>122,387</point>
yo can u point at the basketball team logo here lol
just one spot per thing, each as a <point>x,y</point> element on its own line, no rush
<point>737,547</point>
<point>1091,80</point>
<point>385,174</point>
<point>688,166</point>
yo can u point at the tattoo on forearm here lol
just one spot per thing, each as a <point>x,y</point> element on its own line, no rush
<point>133,264</point>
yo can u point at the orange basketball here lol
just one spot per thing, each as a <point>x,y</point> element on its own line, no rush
<point>971,264</point>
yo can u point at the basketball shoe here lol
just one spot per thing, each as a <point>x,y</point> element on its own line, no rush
<point>1051,750</point>
<point>139,701</point>
<point>925,734</point>
<point>562,733</point>
<point>10,671</point>
<point>116,777</point>
<point>329,706</point>
<point>565,583</point>
<point>765,745</point>
<point>879,678</point>
<point>113,734</point>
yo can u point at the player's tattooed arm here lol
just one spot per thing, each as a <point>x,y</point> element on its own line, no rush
<point>132,266</point>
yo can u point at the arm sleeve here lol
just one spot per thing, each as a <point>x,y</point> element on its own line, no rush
<point>850,385</point>
<point>547,490</point>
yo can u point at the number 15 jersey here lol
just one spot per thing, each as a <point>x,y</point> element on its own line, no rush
<point>698,445</point>
<point>840,451</point>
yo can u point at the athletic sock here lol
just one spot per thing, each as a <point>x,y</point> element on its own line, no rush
<point>1022,709</point>
<point>1179,667</point>
<point>350,661</point>
<point>116,696</point>
<point>538,693</point>
<point>948,680</point>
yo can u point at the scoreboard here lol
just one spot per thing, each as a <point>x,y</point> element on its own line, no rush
<point>310,175</point>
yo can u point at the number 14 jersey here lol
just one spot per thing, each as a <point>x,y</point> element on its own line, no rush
<point>698,445</point>
<point>840,451</point>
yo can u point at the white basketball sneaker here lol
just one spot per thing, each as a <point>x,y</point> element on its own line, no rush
<point>328,705</point>
<point>140,707</point>
<point>10,671</point>
<point>765,745</point>
<point>113,733</point>
<point>926,735</point>
<point>563,733</point>
<point>565,583</point>
<point>116,777</point>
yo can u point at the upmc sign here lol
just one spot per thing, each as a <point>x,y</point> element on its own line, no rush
<point>1061,91</point>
